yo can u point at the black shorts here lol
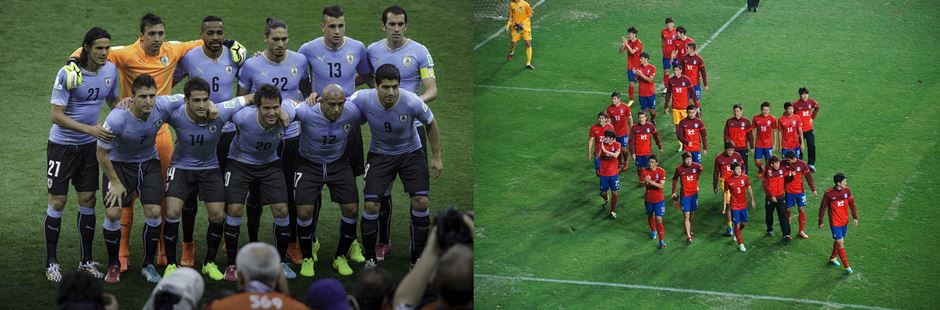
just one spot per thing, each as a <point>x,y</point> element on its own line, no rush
<point>240,176</point>
<point>354,151</point>
<point>181,183</point>
<point>309,178</point>
<point>144,179</point>
<point>71,162</point>
<point>221,149</point>
<point>411,167</point>
<point>289,151</point>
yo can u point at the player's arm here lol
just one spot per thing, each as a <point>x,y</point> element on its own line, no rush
<point>691,90</point>
<point>750,137</point>
<point>426,71</point>
<point>704,140</point>
<point>852,207</point>
<point>727,193</point>
<point>658,143</point>
<point>715,172</point>
<point>727,131</point>
<point>815,109</point>
<point>809,180</point>
<point>244,80</point>
<point>590,147</point>
<point>668,95</point>
<point>750,193</point>
<point>701,72</point>
<point>59,118</point>
<point>659,185</point>
<point>528,12</point>
<point>764,183</point>
<point>675,179</point>
<point>778,141</point>
<point>822,209</point>
<point>631,144</point>
<point>116,190</point>
<point>434,138</point>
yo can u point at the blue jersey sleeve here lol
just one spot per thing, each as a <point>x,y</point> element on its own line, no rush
<point>244,76</point>
<point>421,110</point>
<point>228,108</point>
<point>364,67</point>
<point>114,123</point>
<point>60,95</point>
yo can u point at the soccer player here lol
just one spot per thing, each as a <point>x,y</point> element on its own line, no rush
<point>791,131</point>
<point>668,37</point>
<point>691,133</point>
<point>654,178</point>
<point>595,137</point>
<point>773,181</point>
<point>284,69</point>
<point>693,67</point>
<point>836,200</point>
<point>416,71</point>
<point>735,186</point>
<point>622,119</point>
<point>71,148</point>
<point>253,159</point>
<point>679,50</point>
<point>738,132</point>
<point>678,89</point>
<point>646,73</point>
<point>395,149</point>
<point>130,166</point>
<point>519,25</point>
<point>608,172</point>
<point>634,47</point>
<point>687,174</point>
<point>722,172</point>
<point>765,124</point>
<point>325,128</point>
<point>807,109</point>
<point>797,170</point>
<point>641,145</point>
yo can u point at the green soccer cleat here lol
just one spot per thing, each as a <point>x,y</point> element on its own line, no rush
<point>835,262</point>
<point>306,267</point>
<point>212,270</point>
<point>316,248</point>
<point>342,266</point>
<point>169,270</point>
<point>355,252</point>
<point>848,271</point>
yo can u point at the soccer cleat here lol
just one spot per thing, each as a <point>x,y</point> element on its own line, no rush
<point>306,267</point>
<point>90,268</point>
<point>729,232</point>
<point>53,272</point>
<point>288,273</point>
<point>812,168</point>
<point>688,240</point>
<point>604,205</point>
<point>848,271</point>
<point>787,238</point>
<point>770,233</point>
<point>653,234</point>
<point>161,259</point>
<point>231,273</point>
<point>370,263</point>
<point>509,57</point>
<point>114,274</point>
<point>212,270</point>
<point>293,252</point>
<point>342,266</point>
<point>169,270</point>
<point>662,244</point>
<point>188,258</point>
<point>630,103</point>
<point>803,235</point>
<point>613,215</point>
<point>742,248</point>
<point>679,150</point>
<point>735,238</point>
<point>124,262</point>
<point>382,250</point>
<point>835,262</point>
<point>530,67</point>
<point>316,248</point>
<point>150,274</point>
<point>355,252</point>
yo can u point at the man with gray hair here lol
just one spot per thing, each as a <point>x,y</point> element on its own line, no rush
<point>261,281</point>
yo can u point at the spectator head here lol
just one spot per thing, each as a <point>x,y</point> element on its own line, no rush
<point>181,290</point>
<point>453,281</point>
<point>259,262</point>
<point>451,229</point>
<point>374,289</point>
<point>327,294</point>
<point>79,290</point>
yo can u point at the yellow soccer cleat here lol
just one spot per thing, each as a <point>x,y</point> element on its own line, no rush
<point>306,267</point>
<point>342,266</point>
<point>212,270</point>
<point>355,252</point>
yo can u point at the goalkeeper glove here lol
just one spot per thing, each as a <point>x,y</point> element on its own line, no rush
<point>237,50</point>
<point>519,27</point>
<point>73,74</point>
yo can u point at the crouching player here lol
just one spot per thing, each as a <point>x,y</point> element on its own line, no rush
<point>837,199</point>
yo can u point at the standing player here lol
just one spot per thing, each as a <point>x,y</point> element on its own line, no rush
<point>622,119</point>
<point>646,73</point>
<point>608,172</point>
<point>765,124</point>
<point>519,25</point>
<point>71,148</point>
<point>668,37</point>
<point>641,145</point>
<point>773,183</point>
<point>688,174</point>
<point>679,49</point>
<point>738,132</point>
<point>693,67</point>
<point>691,133</point>
<point>654,178</point>
<point>595,139</point>
<point>807,109</point>
<point>791,131</point>
<point>722,172</point>
<point>634,48</point>
<point>396,149</point>
<point>735,186</point>
<point>797,170</point>
<point>678,89</point>
<point>416,72</point>
<point>837,199</point>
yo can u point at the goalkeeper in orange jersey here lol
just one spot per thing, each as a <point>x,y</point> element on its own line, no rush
<point>519,26</point>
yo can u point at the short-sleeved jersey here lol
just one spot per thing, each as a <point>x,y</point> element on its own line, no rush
<point>688,177</point>
<point>691,67</point>
<point>658,175</point>
<point>336,66</point>
<point>196,142</point>
<point>596,133</point>
<point>609,163</point>
<point>692,130</point>
<point>680,46</point>
<point>83,103</point>
<point>795,174</point>
<point>134,138</point>
<point>633,59</point>
<point>393,130</point>
<point>789,127</point>
<point>323,141</point>
<point>221,74</point>
<point>723,163</point>
<point>285,75</point>
<point>738,186</point>
<point>618,115</point>
<point>520,12</point>
<point>838,202</point>
<point>805,110</point>
<point>764,126</point>
<point>642,137</point>
<point>412,59</point>
<point>773,181</point>
<point>131,61</point>
<point>257,301</point>
<point>647,88</point>
<point>738,131</point>
<point>254,144</point>
<point>679,89</point>
<point>668,38</point>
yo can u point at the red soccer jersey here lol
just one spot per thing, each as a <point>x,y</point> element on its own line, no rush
<point>838,202</point>
<point>633,60</point>
<point>691,65</point>
<point>765,127</point>
<point>669,44</point>
<point>773,181</point>
<point>805,110</point>
<point>642,137</point>
<point>597,132</point>
<point>688,177</point>
<point>738,131</point>
<point>692,130</point>
<point>679,90</point>
<point>722,166</point>
<point>653,194</point>
<point>609,163</point>
<point>738,186</point>
<point>647,88</point>
<point>618,117</point>
<point>680,46</point>
<point>794,177</point>
<point>789,131</point>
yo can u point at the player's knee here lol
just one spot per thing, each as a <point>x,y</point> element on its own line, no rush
<point>174,213</point>
<point>304,212</point>
<point>58,202</point>
<point>371,207</point>
<point>349,210</point>
<point>86,199</point>
<point>235,210</point>
<point>113,214</point>
<point>279,210</point>
<point>419,203</point>
<point>152,211</point>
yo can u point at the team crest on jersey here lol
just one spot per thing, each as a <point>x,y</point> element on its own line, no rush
<point>647,130</point>
<point>742,182</point>
<point>165,60</point>
<point>403,118</point>
<point>294,71</point>
<point>49,183</point>
<point>695,125</point>
<point>846,195</point>
<point>350,58</point>
<point>228,70</point>
<point>346,128</point>
<point>407,61</point>
<point>213,129</point>
<point>280,135</point>
<point>742,125</point>
<point>693,170</point>
<point>158,122</point>
<point>107,81</point>
<point>798,169</point>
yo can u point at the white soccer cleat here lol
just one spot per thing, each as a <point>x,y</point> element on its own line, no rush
<point>54,273</point>
<point>742,248</point>
<point>370,263</point>
<point>91,268</point>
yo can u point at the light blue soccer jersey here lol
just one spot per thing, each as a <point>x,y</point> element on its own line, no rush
<point>134,138</point>
<point>285,75</point>
<point>337,66</point>
<point>409,59</point>
<point>252,143</point>
<point>196,142</point>
<point>220,73</point>
<point>322,141</point>
<point>393,130</point>
<point>83,103</point>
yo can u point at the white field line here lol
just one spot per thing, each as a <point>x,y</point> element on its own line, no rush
<point>501,30</point>
<point>678,290</point>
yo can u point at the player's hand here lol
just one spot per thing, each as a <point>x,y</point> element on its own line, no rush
<point>213,112</point>
<point>706,87</point>
<point>634,156</point>
<point>855,221</point>
<point>284,118</point>
<point>814,193</point>
<point>674,197</point>
<point>100,133</point>
<point>436,167</point>
<point>704,152</point>
<point>256,53</point>
<point>753,206</point>
<point>73,74</point>
<point>237,50</point>
<point>774,199</point>
<point>124,103</point>
<point>821,225</point>
<point>116,193</point>
<point>660,151</point>
<point>313,98</point>
<point>724,210</point>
